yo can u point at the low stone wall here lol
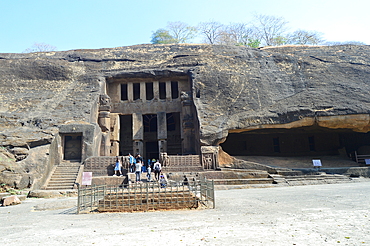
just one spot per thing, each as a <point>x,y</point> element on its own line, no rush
<point>349,171</point>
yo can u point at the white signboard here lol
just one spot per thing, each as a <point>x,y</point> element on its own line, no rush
<point>316,163</point>
<point>86,178</point>
<point>367,161</point>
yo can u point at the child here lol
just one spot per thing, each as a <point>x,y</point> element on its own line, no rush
<point>149,173</point>
<point>117,167</point>
<point>163,181</point>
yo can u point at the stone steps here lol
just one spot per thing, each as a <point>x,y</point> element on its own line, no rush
<point>243,181</point>
<point>64,176</point>
<point>310,179</point>
<point>182,169</point>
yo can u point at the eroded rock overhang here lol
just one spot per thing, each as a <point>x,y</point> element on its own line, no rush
<point>356,123</point>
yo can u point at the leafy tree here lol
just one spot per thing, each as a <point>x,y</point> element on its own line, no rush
<point>279,40</point>
<point>270,29</point>
<point>254,43</point>
<point>162,36</point>
<point>211,31</point>
<point>302,37</point>
<point>40,47</point>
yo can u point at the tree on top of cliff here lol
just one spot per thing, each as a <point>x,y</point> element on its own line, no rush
<point>40,47</point>
<point>303,37</point>
<point>271,29</point>
<point>175,33</point>
<point>162,36</point>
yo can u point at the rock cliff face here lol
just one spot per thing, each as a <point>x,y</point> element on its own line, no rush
<point>234,89</point>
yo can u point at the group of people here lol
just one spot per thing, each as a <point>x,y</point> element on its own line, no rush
<point>137,166</point>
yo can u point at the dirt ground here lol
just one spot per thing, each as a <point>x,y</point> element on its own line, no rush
<point>334,214</point>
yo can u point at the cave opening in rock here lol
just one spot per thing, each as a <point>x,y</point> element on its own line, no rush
<point>303,141</point>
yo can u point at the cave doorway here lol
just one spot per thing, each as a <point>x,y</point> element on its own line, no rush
<point>151,150</point>
<point>73,147</point>
<point>126,142</point>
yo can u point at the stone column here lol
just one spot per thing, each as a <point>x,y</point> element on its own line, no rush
<point>114,136</point>
<point>168,90</point>
<point>162,131</point>
<point>137,133</point>
<point>104,123</point>
<point>142,92</point>
<point>130,92</point>
<point>156,90</point>
<point>162,145</point>
<point>188,134</point>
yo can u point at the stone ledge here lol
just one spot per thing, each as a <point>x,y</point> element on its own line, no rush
<point>53,193</point>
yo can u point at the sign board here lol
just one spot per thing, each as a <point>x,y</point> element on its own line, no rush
<point>86,178</point>
<point>367,161</point>
<point>316,163</point>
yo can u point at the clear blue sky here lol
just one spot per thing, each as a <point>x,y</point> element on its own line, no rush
<point>91,24</point>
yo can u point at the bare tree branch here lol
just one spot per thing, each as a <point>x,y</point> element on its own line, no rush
<point>210,31</point>
<point>40,47</point>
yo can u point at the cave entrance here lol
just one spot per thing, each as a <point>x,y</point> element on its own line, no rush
<point>151,150</point>
<point>73,146</point>
<point>126,143</point>
<point>304,141</point>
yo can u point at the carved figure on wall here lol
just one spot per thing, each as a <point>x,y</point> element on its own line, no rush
<point>164,159</point>
<point>104,102</point>
<point>186,98</point>
<point>208,161</point>
<point>125,162</point>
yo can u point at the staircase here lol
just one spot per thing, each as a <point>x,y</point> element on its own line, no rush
<point>312,179</point>
<point>64,176</point>
<point>238,177</point>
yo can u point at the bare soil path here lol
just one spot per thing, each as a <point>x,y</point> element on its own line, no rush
<point>335,214</point>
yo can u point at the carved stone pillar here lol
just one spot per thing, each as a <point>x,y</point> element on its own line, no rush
<point>162,131</point>
<point>114,135</point>
<point>162,125</point>
<point>162,145</point>
<point>142,92</point>
<point>104,123</point>
<point>156,90</point>
<point>168,90</point>
<point>138,133</point>
<point>187,123</point>
<point>138,147</point>
<point>130,92</point>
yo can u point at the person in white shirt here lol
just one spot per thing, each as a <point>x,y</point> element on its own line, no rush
<point>138,166</point>
<point>157,169</point>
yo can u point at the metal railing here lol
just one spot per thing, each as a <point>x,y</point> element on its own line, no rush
<point>146,196</point>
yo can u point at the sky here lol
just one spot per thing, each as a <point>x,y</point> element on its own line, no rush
<point>94,24</point>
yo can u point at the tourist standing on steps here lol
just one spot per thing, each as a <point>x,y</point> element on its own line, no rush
<point>138,166</point>
<point>157,169</point>
<point>149,173</point>
<point>139,158</point>
<point>132,161</point>
<point>117,167</point>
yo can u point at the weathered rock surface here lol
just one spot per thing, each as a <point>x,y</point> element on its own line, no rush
<point>11,200</point>
<point>235,88</point>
